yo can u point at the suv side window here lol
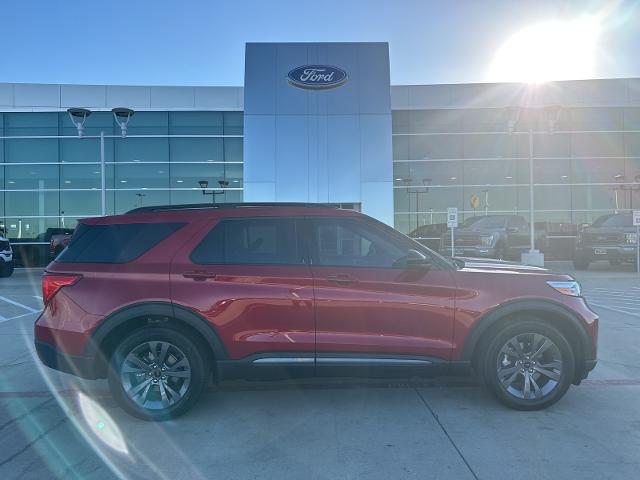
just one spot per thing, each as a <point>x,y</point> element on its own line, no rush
<point>250,241</point>
<point>354,243</point>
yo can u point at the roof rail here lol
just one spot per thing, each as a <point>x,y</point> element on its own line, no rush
<point>219,206</point>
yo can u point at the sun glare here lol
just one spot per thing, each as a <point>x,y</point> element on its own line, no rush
<point>554,50</point>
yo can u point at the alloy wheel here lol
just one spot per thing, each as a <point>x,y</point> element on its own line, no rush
<point>529,366</point>
<point>155,375</point>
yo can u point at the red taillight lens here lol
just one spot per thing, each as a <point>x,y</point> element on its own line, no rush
<point>52,283</point>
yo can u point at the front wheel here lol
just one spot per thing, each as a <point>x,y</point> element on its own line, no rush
<point>529,365</point>
<point>6,269</point>
<point>157,373</point>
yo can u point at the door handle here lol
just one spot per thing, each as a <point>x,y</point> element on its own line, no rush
<point>341,279</point>
<point>199,275</point>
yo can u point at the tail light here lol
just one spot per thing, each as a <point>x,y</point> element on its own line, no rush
<point>51,283</point>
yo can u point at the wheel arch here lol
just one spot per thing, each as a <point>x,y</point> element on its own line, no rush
<point>554,313</point>
<point>104,338</point>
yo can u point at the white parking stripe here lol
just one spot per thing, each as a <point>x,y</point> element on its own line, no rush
<point>615,309</point>
<point>3,319</point>
<point>32,310</point>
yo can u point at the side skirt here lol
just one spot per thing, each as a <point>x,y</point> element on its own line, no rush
<point>278,366</point>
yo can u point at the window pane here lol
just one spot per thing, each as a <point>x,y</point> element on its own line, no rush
<point>195,123</point>
<point>233,123</point>
<point>355,244</point>
<point>31,150</point>
<point>29,229</point>
<point>81,204</point>
<point>233,150</point>
<point>32,177</point>
<point>115,243</point>
<point>249,241</point>
<point>196,150</point>
<point>142,150</point>
<point>141,176</point>
<point>126,200</point>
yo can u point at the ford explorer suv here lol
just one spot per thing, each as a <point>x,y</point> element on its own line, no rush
<point>6,256</point>
<point>491,236</point>
<point>611,238</point>
<point>162,300</point>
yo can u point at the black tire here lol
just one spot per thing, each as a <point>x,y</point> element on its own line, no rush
<point>501,252</point>
<point>183,346</point>
<point>528,327</point>
<point>580,263</point>
<point>6,270</point>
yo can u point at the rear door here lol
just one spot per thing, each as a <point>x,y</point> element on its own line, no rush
<point>368,307</point>
<point>249,277</point>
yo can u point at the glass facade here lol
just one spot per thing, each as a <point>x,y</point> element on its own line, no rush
<point>49,176</point>
<point>588,166</point>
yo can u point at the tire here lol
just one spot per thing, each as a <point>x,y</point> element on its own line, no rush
<point>504,377</point>
<point>581,263</point>
<point>6,270</point>
<point>615,263</point>
<point>501,252</point>
<point>160,395</point>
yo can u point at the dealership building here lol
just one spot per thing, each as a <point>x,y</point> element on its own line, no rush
<point>320,122</point>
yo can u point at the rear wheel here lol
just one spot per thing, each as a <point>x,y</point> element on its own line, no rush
<point>529,365</point>
<point>157,373</point>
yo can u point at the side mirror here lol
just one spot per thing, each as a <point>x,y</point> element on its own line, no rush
<point>414,259</point>
<point>512,230</point>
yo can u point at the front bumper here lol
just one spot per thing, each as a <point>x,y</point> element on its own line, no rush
<point>79,366</point>
<point>6,257</point>
<point>621,253</point>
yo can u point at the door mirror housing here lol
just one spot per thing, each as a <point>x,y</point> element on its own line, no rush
<point>414,259</point>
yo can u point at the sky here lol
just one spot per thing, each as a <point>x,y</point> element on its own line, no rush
<point>198,42</point>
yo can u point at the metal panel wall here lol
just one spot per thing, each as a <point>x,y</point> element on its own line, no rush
<point>329,145</point>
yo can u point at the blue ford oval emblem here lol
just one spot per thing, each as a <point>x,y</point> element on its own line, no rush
<point>317,77</point>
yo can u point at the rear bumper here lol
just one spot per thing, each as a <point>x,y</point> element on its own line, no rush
<point>76,365</point>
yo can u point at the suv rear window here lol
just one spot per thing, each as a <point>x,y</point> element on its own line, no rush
<point>118,243</point>
<point>252,241</point>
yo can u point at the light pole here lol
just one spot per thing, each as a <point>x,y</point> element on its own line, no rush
<point>122,117</point>
<point>426,182</point>
<point>204,184</point>
<point>552,114</point>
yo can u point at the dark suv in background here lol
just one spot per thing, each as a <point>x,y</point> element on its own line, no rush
<point>161,299</point>
<point>492,236</point>
<point>611,237</point>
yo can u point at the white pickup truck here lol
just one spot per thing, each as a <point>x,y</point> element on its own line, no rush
<point>6,257</point>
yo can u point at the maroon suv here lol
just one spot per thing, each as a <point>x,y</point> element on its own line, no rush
<point>161,299</point>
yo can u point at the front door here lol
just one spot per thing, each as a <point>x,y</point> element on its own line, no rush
<point>371,308</point>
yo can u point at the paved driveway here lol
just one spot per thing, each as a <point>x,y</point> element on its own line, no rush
<point>329,429</point>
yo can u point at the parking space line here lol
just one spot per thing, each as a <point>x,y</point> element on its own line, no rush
<point>607,307</point>
<point>5,319</point>
<point>17,304</point>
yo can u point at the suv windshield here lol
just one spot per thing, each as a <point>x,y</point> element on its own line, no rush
<point>481,223</point>
<point>614,221</point>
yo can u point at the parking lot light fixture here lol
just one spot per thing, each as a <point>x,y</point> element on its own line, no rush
<point>122,117</point>
<point>78,116</point>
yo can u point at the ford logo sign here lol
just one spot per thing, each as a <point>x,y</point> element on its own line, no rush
<point>317,77</point>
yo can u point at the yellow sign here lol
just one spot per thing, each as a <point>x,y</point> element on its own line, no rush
<point>475,201</point>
